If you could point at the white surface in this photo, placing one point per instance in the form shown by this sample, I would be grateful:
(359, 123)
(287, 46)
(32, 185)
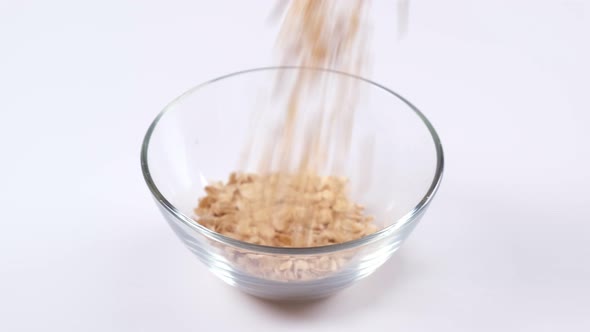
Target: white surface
(504, 245)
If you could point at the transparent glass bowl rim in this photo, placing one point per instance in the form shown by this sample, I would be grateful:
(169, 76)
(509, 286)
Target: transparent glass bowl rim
(396, 227)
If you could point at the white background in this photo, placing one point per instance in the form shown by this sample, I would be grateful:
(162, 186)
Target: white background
(504, 246)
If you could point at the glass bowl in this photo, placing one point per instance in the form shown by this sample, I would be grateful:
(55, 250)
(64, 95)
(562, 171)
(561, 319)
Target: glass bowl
(395, 164)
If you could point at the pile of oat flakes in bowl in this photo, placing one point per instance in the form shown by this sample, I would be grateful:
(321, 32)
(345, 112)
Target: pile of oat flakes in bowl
(284, 211)
(302, 210)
